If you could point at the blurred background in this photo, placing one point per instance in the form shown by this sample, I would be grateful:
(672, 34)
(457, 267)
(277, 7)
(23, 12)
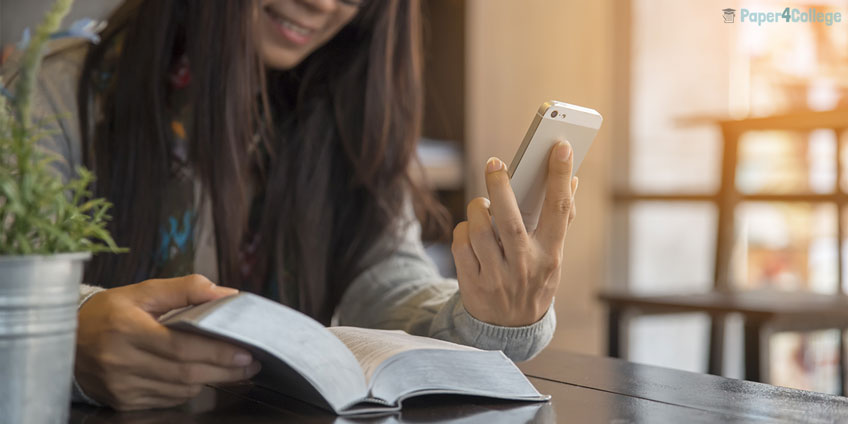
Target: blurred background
(720, 165)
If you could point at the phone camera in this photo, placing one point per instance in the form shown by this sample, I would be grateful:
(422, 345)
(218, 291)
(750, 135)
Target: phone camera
(554, 114)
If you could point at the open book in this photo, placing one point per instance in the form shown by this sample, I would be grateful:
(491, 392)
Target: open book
(350, 370)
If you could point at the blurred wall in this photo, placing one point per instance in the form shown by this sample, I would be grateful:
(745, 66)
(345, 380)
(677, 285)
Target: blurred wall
(15, 15)
(519, 54)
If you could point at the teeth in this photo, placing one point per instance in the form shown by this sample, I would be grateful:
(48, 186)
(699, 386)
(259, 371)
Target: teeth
(290, 25)
(286, 23)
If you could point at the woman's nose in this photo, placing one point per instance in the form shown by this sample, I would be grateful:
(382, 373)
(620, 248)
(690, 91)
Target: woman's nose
(321, 6)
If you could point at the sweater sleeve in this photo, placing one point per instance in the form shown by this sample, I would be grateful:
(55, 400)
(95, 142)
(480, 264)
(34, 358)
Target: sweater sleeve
(77, 395)
(404, 291)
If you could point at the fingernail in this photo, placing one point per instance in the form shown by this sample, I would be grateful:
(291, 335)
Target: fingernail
(242, 359)
(494, 164)
(576, 184)
(563, 151)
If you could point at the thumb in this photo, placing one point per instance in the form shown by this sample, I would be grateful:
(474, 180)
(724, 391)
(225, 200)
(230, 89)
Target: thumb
(160, 296)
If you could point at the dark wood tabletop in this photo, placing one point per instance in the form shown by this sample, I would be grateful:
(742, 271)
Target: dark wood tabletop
(584, 389)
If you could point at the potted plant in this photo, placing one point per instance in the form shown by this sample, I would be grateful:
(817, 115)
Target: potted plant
(48, 229)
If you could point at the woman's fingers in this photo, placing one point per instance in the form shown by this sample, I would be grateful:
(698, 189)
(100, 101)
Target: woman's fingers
(167, 390)
(129, 391)
(573, 213)
(185, 347)
(191, 373)
(505, 210)
(463, 253)
(128, 360)
(137, 379)
(160, 296)
(553, 220)
(480, 232)
(518, 290)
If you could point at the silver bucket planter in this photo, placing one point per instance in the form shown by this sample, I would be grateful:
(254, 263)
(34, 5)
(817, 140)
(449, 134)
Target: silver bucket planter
(38, 321)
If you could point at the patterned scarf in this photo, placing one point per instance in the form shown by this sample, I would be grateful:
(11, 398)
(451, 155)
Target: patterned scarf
(176, 246)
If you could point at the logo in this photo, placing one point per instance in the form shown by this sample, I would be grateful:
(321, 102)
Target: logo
(788, 15)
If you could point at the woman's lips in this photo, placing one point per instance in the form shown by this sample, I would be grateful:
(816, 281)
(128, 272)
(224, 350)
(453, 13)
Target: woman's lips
(290, 30)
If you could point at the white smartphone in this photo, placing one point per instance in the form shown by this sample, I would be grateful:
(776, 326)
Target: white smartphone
(528, 171)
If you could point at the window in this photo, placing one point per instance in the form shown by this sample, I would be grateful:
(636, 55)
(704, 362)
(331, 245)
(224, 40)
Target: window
(688, 70)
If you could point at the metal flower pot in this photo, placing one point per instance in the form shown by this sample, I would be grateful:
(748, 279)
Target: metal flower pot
(38, 322)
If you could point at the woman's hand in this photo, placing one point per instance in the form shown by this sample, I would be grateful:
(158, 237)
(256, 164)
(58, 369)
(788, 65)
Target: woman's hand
(127, 360)
(512, 281)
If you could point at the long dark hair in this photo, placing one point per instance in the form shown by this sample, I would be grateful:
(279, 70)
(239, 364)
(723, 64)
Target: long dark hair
(340, 129)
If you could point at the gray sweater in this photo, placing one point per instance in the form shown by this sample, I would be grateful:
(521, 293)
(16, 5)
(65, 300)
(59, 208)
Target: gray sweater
(402, 291)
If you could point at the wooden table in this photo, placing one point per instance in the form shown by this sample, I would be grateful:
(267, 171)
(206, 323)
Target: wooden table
(763, 313)
(585, 389)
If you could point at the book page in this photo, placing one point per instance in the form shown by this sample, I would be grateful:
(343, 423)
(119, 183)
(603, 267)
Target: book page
(432, 371)
(372, 347)
(398, 365)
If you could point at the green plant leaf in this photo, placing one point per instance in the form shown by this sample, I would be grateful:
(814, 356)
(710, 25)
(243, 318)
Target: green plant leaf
(39, 212)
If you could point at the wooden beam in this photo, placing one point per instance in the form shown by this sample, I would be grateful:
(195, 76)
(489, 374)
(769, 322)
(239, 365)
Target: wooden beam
(727, 200)
(840, 198)
(803, 120)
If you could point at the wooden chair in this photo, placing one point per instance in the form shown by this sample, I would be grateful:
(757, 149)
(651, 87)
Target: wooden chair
(763, 312)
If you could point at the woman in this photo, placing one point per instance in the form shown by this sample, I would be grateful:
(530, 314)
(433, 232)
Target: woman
(267, 145)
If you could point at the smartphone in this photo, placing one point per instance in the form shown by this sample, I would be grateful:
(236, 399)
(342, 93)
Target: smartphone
(528, 171)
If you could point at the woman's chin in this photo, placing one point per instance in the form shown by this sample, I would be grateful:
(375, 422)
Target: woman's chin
(280, 58)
